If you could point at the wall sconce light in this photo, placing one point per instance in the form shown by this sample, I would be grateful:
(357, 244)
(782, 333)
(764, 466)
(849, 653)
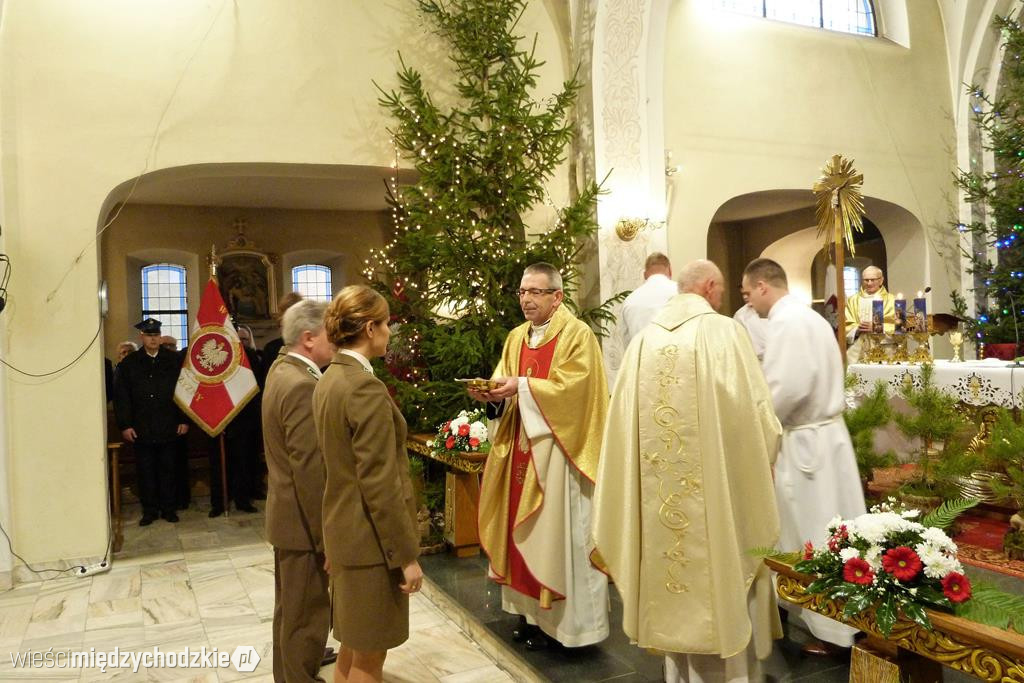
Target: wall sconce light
(670, 169)
(628, 228)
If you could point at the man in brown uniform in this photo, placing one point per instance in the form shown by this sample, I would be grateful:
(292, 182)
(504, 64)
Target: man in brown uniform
(302, 608)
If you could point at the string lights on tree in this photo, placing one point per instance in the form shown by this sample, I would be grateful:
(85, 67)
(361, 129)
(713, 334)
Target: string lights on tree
(998, 268)
(461, 241)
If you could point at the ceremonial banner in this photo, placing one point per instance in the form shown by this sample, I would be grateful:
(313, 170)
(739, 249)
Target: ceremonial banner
(831, 298)
(216, 380)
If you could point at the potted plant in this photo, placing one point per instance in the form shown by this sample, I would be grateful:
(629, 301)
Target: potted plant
(872, 413)
(943, 434)
(1005, 452)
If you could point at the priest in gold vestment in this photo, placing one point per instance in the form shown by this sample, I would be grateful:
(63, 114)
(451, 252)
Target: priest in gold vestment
(535, 498)
(684, 489)
(858, 310)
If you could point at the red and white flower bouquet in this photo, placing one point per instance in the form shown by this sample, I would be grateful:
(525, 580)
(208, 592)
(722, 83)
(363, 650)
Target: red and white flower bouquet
(887, 560)
(466, 434)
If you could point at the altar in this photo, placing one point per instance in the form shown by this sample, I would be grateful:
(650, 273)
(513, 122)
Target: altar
(978, 383)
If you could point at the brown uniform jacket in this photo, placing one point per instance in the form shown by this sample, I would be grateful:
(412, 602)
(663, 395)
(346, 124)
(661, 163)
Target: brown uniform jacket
(295, 466)
(369, 507)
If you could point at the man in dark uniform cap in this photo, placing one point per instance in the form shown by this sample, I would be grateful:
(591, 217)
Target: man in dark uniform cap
(148, 418)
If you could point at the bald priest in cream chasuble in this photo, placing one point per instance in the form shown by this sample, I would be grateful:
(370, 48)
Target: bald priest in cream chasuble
(684, 491)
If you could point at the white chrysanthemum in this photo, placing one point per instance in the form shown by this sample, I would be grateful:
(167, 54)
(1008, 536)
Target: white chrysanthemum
(873, 556)
(910, 514)
(936, 563)
(457, 422)
(847, 554)
(835, 523)
(938, 537)
(876, 527)
(478, 430)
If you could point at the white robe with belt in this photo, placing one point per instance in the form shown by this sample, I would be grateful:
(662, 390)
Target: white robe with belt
(816, 474)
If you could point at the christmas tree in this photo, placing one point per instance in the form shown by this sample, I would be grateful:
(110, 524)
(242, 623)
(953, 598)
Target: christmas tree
(999, 281)
(461, 242)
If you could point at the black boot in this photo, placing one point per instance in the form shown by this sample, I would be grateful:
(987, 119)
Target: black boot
(539, 641)
(523, 630)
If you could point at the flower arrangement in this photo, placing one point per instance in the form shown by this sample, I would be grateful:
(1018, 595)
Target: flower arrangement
(467, 433)
(886, 559)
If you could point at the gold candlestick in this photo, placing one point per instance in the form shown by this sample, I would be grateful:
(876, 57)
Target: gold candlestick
(875, 352)
(900, 355)
(923, 352)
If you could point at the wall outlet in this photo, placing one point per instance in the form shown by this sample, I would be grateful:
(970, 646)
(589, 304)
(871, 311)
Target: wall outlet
(97, 568)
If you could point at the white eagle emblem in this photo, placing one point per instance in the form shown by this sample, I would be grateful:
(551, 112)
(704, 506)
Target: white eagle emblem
(213, 355)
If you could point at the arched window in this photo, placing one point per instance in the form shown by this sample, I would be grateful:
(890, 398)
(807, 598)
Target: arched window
(851, 280)
(164, 298)
(847, 16)
(312, 281)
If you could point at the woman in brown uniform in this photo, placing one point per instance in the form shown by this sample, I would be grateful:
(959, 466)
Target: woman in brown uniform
(369, 511)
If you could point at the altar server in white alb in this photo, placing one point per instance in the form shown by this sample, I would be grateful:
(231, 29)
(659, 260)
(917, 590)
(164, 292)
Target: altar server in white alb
(816, 472)
(645, 301)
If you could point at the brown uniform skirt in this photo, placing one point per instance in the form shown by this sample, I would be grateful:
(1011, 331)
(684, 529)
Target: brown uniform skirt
(368, 609)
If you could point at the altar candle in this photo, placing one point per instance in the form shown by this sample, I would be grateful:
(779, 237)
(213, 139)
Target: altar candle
(920, 313)
(900, 311)
(877, 315)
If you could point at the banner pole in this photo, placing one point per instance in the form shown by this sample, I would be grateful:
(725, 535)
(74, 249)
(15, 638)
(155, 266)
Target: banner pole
(224, 476)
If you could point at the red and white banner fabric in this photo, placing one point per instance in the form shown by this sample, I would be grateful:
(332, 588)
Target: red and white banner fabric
(216, 380)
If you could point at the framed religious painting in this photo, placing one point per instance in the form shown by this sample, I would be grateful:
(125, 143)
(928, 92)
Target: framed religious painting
(245, 276)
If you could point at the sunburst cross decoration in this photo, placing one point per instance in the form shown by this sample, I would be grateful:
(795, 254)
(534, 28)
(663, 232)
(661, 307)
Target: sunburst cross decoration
(840, 211)
(840, 208)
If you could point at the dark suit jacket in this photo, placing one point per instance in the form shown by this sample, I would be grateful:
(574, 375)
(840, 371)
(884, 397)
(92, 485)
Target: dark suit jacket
(369, 507)
(144, 395)
(295, 467)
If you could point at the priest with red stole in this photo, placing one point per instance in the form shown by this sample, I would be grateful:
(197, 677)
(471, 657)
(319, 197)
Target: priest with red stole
(535, 498)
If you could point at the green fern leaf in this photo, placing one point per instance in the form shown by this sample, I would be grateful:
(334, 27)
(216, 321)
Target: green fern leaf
(944, 516)
(990, 606)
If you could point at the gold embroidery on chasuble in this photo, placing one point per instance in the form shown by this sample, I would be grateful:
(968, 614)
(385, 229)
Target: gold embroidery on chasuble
(679, 474)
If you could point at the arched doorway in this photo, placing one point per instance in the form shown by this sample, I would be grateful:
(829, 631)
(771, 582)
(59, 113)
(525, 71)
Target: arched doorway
(781, 224)
(292, 215)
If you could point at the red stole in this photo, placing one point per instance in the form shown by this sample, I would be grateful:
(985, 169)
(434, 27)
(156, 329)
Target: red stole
(532, 363)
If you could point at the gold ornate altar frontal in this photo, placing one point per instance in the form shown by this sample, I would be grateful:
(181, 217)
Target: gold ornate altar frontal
(988, 653)
(461, 494)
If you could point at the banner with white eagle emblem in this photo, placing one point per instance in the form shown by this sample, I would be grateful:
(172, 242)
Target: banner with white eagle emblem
(216, 380)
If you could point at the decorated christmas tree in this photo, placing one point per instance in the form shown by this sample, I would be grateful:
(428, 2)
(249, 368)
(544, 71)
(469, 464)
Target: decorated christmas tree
(998, 277)
(484, 159)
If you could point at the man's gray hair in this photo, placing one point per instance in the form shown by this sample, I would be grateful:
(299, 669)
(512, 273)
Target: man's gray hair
(554, 277)
(696, 273)
(126, 342)
(301, 316)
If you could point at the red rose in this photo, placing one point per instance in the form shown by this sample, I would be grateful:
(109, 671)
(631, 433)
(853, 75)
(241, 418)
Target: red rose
(902, 562)
(808, 550)
(956, 587)
(474, 442)
(463, 429)
(857, 570)
(444, 427)
(449, 442)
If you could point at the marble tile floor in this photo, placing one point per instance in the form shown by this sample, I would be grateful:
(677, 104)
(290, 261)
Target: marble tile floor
(209, 582)
(201, 582)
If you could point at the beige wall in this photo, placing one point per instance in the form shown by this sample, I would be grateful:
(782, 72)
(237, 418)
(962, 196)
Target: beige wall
(755, 105)
(93, 94)
(184, 234)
